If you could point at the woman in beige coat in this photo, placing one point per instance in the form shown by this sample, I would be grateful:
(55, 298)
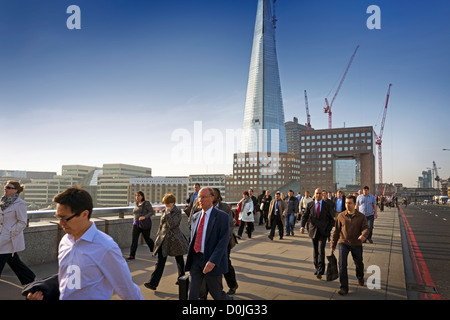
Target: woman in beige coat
(170, 241)
(13, 220)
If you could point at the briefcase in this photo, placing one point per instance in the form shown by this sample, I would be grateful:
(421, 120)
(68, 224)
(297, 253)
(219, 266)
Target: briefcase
(183, 287)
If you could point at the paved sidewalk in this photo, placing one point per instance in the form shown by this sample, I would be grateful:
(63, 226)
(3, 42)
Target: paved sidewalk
(274, 270)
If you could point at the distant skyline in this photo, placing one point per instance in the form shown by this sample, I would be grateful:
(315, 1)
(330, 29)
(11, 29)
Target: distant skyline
(161, 84)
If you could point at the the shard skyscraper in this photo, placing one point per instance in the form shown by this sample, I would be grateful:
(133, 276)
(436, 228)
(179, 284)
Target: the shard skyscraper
(263, 126)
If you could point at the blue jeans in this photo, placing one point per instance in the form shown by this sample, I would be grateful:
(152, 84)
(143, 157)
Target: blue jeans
(290, 221)
(370, 221)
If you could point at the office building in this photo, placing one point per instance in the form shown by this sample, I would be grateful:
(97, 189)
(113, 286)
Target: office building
(208, 181)
(293, 129)
(113, 185)
(154, 188)
(341, 158)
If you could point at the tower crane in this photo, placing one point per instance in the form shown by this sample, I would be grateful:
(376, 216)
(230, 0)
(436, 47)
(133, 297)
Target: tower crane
(436, 175)
(378, 143)
(327, 109)
(308, 116)
(274, 17)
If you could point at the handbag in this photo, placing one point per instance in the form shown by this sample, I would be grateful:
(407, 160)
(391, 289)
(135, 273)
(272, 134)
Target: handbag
(145, 223)
(332, 268)
(233, 241)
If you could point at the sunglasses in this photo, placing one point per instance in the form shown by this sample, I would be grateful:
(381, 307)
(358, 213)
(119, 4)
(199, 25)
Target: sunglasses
(10, 188)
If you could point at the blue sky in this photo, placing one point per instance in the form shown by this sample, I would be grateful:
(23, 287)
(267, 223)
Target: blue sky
(138, 72)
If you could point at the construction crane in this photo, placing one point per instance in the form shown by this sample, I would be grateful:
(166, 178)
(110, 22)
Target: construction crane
(308, 117)
(327, 109)
(274, 17)
(378, 143)
(436, 175)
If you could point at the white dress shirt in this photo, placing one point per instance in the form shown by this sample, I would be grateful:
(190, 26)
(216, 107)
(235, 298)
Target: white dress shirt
(92, 267)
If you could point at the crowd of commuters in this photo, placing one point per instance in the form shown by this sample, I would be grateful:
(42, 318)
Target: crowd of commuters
(212, 236)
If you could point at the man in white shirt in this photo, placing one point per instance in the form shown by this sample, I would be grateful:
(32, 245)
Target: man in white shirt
(91, 265)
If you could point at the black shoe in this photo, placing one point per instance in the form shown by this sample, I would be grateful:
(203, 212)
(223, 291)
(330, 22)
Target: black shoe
(361, 282)
(232, 290)
(343, 292)
(149, 286)
(270, 237)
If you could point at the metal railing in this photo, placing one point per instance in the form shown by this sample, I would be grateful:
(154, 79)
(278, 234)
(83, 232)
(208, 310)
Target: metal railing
(102, 212)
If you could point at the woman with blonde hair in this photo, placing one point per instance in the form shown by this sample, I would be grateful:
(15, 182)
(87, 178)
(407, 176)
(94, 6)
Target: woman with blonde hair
(170, 241)
(13, 220)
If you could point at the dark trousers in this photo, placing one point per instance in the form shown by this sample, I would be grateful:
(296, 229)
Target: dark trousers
(22, 272)
(136, 231)
(213, 282)
(230, 278)
(276, 222)
(319, 243)
(250, 228)
(159, 268)
(263, 216)
(357, 254)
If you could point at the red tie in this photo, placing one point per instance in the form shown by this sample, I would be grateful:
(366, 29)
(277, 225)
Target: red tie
(318, 210)
(198, 238)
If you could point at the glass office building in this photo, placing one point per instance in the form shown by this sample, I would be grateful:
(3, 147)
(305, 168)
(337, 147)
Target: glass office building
(263, 126)
(340, 158)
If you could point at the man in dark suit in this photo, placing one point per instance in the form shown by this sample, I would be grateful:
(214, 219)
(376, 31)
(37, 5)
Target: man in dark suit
(207, 256)
(339, 202)
(191, 207)
(320, 215)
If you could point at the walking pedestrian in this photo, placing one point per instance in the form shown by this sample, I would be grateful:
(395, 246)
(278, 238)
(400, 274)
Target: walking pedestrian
(208, 259)
(170, 241)
(230, 276)
(321, 221)
(260, 207)
(13, 220)
(291, 213)
(339, 202)
(246, 216)
(304, 203)
(91, 266)
(191, 201)
(142, 210)
(350, 231)
(367, 204)
(266, 204)
(276, 214)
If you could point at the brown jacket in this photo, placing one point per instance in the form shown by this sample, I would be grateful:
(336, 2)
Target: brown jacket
(281, 209)
(347, 230)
